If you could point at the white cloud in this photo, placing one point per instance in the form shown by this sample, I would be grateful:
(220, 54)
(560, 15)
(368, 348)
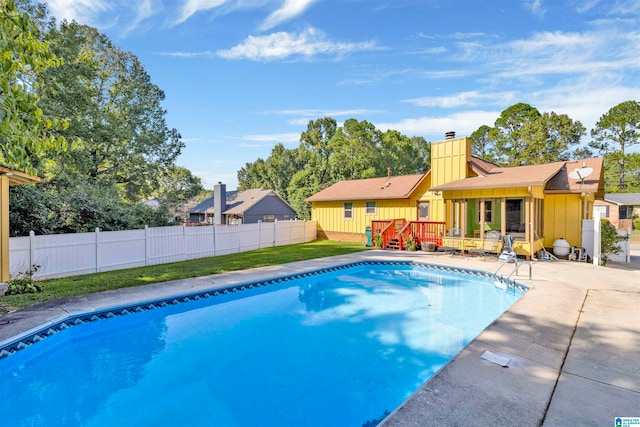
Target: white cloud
(289, 10)
(585, 101)
(281, 45)
(276, 137)
(104, 14)
(324, 113)
(464, 99)
(191, 7)
(624, 8)
(144, 10)
(205, 54)
(535, 6)
(462, 122)
(83, 11)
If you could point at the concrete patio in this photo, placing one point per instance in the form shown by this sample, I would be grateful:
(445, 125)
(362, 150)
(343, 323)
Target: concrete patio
(573, 343)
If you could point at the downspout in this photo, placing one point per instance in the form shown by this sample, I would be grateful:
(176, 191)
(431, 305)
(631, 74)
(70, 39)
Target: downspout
(583, 213)
(532, 217)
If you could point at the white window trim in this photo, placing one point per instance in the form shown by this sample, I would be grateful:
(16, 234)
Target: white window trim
(428, 210)
(366, 208)
(478, 207)
(344, 211)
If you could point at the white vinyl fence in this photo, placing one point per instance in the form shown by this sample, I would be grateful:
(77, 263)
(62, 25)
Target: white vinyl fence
(591, 238)
(83, 253)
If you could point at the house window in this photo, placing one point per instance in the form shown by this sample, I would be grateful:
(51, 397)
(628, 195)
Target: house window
(370, 208)
(604, 211)
(488, 211)
(286, 217)
(423, 211)
(268, 218)
(626, 212)
(348, 210)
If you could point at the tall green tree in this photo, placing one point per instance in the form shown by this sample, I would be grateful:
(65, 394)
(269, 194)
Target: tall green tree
(618, 129)
(481, 143)
(507, 133)
(328, 153)
(631, 173)
(550, 138)
(117, 123)
(523, 136)
(403, 155)
(176, 185)
(25, 130)
(355, 149)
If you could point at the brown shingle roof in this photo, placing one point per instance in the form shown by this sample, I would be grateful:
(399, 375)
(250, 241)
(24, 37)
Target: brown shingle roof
(562, 181)
(506, 177)
(553, 175)
(394, 187)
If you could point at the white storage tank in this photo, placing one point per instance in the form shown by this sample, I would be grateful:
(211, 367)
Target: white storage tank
(561, 247)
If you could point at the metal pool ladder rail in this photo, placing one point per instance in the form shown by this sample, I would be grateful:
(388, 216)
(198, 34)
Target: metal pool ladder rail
(517, 263)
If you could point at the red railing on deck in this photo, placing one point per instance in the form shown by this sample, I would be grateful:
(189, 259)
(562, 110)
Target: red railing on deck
(423, 231)
(400, 229)
(386, 229)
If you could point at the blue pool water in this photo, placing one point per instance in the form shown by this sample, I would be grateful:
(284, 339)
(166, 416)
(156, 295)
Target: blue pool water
(341, 348)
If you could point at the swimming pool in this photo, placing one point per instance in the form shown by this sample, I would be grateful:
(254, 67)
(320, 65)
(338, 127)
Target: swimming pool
(339, 346)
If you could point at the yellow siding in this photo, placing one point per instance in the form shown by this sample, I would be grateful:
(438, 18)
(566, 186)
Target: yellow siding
(562, 218)
(449, 160)
(330, 215)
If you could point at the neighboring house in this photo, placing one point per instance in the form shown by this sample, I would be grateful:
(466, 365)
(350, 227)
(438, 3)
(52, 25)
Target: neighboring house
(242, 207)
(536, 204)
(619, 208)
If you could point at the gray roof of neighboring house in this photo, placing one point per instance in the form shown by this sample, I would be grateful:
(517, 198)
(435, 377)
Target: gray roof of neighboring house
(623, 199)
(246, 199)
(238, 202)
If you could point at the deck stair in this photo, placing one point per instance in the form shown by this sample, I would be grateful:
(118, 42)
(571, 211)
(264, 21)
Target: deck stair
(395, 233)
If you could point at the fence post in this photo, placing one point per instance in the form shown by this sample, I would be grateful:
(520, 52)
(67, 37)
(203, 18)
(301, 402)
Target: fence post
(215, 246)
(184, 239)
(32, 249)
(259, 234)
(275, 232)
(146, 244)
(628, 248)
(97, 250)
(597, 238)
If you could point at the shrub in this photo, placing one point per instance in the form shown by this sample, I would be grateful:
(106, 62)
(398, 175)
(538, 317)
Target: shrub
(377, 240)
(411, 243)
(24, 283)
(636, 224)
(610, 241)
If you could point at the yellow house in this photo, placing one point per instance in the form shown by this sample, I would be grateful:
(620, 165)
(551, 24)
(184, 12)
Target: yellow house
(8, 177)
(535, 204)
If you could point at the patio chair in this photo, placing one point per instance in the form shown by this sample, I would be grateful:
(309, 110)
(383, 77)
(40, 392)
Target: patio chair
(454, 241)
(507, 254)
(489, 246)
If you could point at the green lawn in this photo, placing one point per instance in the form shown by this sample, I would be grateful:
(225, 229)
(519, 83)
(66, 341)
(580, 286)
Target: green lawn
(79, 285)
(635, 236)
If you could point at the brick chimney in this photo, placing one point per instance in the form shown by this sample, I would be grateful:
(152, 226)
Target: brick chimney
(219, 202)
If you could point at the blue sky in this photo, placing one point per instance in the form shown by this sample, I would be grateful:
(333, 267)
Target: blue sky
(243, 75)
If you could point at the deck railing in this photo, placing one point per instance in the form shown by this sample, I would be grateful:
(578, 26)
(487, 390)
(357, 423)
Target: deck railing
(423, 231)
(386, 230)
(400, 230)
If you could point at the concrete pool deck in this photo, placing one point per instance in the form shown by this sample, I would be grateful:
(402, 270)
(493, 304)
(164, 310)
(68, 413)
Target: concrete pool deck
(573, 343)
